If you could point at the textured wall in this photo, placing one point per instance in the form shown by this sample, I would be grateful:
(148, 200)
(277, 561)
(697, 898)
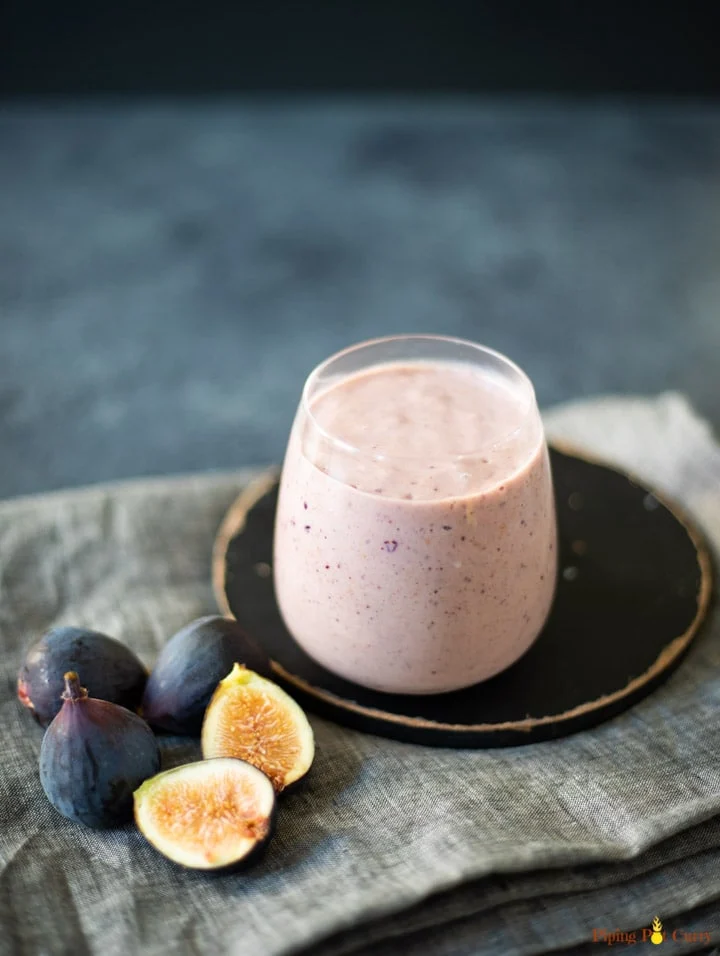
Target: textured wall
(169, 275)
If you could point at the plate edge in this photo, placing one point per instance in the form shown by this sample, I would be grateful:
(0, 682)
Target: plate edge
(234, 521)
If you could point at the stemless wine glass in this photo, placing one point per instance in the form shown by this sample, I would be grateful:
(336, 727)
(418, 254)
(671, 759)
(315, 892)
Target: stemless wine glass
(415, 538)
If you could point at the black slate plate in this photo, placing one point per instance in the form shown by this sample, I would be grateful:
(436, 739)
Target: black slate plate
(634, 587)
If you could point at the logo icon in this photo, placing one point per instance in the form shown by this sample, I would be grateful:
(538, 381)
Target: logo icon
(654, 934)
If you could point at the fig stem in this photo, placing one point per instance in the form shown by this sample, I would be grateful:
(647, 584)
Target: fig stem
(73, 691)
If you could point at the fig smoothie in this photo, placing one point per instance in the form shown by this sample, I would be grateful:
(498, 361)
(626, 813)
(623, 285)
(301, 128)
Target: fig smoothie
(415, 535)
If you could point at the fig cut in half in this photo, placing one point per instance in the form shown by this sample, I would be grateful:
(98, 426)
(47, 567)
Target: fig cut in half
(208, 815)
(251, 718)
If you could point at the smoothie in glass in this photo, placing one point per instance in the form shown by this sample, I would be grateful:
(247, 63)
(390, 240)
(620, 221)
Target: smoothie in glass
(415, 535)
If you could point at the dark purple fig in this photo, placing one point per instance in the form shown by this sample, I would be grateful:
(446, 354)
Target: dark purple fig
(110, 669)
(94, 755)
(209, 815)
(189, 668)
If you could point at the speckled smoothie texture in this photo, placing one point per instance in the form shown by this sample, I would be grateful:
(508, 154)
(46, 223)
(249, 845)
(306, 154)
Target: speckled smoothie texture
(415, 537)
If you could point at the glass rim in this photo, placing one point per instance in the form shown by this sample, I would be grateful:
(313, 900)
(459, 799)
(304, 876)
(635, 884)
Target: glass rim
(503, 360)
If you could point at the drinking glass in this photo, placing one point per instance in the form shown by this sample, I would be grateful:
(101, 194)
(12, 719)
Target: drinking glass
(415, 537)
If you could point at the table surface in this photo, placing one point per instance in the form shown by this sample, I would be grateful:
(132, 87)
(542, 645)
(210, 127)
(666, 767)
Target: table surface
(170, 273)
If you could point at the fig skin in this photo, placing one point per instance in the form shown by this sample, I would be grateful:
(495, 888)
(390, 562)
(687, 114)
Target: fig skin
(94, 755)
(189, 668)
(201, 767)
(109, 668)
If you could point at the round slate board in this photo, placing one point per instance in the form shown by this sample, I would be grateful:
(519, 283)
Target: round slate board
(634, 586)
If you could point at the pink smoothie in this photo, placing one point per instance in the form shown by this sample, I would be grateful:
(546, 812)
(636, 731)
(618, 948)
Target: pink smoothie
(415, 536)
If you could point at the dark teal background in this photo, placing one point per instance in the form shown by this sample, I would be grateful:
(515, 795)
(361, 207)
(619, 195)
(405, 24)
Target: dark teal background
(169, 274)
(198, 204)
(425, 46)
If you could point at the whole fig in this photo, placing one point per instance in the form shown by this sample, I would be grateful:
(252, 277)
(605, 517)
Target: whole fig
(94, 755)
(190, 667)
(110, 670)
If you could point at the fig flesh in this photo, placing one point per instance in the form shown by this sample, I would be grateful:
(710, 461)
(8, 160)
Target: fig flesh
(189, 669)
(208, 815)
(253, 719)
(94, 755)
(109, 668)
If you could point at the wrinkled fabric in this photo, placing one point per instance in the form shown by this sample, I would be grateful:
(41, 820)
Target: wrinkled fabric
(389, 846)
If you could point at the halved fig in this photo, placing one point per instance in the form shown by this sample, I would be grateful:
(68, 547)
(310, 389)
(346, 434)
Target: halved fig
(208, 815)
(251, 718)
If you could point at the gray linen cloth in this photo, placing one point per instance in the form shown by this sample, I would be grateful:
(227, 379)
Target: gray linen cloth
(390, 845)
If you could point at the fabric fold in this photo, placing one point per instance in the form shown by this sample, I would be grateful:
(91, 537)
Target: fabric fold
(472, 907)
